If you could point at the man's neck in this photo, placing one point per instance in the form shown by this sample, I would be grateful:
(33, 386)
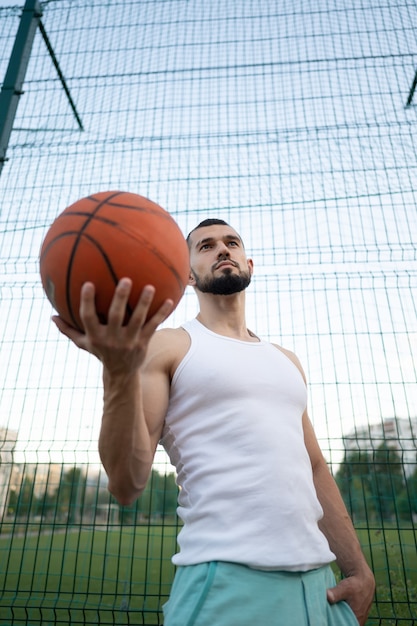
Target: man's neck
(225, 317)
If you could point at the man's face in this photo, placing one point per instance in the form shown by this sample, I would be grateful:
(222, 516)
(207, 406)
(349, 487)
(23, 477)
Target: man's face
(218, 261)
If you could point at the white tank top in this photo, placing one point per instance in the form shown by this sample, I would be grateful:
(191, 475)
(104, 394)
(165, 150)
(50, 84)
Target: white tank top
(233, 431)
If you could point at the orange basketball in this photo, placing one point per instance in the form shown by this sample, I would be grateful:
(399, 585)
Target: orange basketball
(105, 237)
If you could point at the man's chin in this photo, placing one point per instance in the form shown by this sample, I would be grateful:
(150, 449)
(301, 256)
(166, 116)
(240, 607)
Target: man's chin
(227, 284)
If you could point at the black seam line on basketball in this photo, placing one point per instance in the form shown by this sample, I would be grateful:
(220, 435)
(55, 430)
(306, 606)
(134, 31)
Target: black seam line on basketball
(101, 218)
(105, 200)
(138, 237)
(108, 264)
(140, 240)
(44, 254)
(156, 253)
(89, 216)
(144, 241)
(79, 212)
(165, 215)
(76, 233)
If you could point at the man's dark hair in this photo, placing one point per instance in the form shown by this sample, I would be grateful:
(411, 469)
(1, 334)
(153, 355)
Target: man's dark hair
(211, 221)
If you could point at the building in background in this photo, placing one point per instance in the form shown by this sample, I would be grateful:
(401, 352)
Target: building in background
(398, 433)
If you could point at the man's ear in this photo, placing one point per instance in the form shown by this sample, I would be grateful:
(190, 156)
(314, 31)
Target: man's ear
(250, 266)
(191, 279)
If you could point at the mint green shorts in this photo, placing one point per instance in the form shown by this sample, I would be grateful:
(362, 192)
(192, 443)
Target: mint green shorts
(229, 594)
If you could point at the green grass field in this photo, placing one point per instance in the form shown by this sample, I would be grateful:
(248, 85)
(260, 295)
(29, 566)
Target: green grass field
(392, 555)
(123, 575)
(86, 576)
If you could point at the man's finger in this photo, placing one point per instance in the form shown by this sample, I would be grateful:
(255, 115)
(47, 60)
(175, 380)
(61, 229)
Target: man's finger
(88, 312)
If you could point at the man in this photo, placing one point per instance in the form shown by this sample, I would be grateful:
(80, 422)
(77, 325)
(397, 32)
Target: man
(262, 515)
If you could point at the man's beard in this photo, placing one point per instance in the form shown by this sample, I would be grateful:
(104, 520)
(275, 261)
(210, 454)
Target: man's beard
(224, 285)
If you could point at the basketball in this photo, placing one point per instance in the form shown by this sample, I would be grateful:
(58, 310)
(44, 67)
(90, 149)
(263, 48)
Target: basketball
(105, 237)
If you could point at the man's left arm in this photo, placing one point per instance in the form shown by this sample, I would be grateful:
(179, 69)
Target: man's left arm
(358, 586)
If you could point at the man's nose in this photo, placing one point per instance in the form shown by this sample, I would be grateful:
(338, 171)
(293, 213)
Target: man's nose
(223, 250)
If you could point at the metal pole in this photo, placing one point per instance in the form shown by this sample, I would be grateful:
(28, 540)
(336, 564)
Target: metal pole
(16, 71)
(412, 90)
(60, 74)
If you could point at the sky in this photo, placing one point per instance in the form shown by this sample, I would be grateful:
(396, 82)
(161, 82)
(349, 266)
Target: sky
(291, 125)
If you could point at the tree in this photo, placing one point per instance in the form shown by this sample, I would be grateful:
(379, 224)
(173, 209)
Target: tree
(158, 500)
(373, 485)
(25, 500)
(354, 481)
(412, 491)
(406, 503)
(47, 505)
(387, 480)
(69, 495)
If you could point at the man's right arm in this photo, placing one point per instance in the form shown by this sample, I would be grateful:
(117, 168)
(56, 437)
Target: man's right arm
(129, 436)
(129, 433)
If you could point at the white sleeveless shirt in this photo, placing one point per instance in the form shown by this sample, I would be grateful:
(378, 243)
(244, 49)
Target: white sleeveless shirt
(234, 432)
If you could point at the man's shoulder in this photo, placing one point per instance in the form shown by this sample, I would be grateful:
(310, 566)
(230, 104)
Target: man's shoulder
(292, 356)
(168, 347)
(288, 353)
(169, 336)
